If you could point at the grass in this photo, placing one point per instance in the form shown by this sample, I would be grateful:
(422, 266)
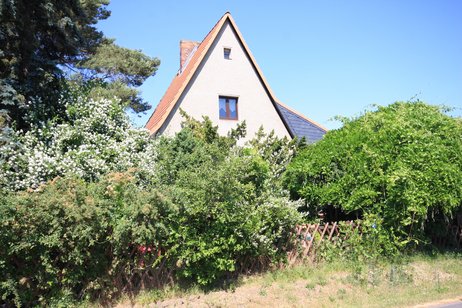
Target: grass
(415, 280)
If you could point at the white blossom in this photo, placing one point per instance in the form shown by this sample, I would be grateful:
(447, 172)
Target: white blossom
(98, 138)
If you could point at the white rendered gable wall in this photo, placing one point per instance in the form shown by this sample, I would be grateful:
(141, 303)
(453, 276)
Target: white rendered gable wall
(217, 76)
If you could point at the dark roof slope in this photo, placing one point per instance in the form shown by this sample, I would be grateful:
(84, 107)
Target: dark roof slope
(301, 126)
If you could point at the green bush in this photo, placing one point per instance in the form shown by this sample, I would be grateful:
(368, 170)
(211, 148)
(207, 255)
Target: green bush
(75, 236)
(95, 138)
(211, 207)
(230, 205)
(398, 167)
(366, 242)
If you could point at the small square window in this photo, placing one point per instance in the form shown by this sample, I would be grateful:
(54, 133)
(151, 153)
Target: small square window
(227, 53)
(228, 108)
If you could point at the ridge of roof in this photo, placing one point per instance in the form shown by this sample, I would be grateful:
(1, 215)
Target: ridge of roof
(186, 61)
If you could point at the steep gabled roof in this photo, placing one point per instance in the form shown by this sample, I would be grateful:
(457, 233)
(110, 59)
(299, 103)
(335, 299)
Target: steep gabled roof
(291, 119)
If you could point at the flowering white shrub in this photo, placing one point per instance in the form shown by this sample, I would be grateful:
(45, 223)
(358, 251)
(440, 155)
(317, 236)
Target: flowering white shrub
(96, 139)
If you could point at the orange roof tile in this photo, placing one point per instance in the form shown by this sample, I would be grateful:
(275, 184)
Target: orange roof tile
(181, 80)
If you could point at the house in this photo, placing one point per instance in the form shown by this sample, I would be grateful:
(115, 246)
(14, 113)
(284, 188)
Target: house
(220, 78)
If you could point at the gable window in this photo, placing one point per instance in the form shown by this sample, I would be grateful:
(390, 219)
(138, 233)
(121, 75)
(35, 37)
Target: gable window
(227, 53)
(228, 108)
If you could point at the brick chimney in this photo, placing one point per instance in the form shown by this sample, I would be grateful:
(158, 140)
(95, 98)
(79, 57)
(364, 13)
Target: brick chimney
(186, 48)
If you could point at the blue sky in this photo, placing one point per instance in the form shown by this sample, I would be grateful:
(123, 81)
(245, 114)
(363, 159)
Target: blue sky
(322, 58)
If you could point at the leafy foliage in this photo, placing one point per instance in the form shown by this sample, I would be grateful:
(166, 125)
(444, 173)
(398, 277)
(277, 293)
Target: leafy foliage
(41, 41)
(35, 37)
(228, 209)
(207, 206)
(117, 71)
(76, 239)
(398, 166)
(96, 139)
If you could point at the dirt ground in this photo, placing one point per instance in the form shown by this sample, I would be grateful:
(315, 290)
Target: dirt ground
(330, 290)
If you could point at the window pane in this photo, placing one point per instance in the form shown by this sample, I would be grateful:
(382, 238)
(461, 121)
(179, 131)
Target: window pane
(227, 53)
(232, 108)
(222, 107)
(227, 108)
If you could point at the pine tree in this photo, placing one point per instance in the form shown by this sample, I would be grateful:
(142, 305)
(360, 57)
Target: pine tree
(44, 42)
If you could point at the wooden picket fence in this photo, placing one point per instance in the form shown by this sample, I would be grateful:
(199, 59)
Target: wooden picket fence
(308, 238)
(150, 269)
